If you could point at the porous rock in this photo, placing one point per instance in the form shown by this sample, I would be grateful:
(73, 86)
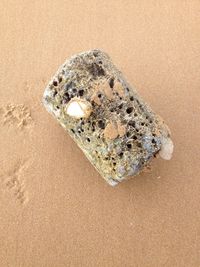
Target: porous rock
(119, 133)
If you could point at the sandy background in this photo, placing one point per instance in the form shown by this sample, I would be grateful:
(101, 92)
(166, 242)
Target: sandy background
(55, 210)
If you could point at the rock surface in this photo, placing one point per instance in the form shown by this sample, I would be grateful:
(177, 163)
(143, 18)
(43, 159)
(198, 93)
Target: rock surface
(114, 127)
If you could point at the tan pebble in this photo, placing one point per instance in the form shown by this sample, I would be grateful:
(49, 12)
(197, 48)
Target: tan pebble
(107, 90)
(96, 99)
(119, 88)
(121, 129)
(110, 131)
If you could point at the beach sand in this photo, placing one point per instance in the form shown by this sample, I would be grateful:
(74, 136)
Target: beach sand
(55, 209)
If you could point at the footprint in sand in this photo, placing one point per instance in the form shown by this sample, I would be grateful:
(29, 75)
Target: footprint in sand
(13, 182)
(16, 115)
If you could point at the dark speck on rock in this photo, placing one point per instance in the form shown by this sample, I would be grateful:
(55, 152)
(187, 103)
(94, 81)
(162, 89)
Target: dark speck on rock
(96, 70)
(81, 92)
(111, 82)
(55, 83)
(101, 124)
(129, 110)
(131, 123)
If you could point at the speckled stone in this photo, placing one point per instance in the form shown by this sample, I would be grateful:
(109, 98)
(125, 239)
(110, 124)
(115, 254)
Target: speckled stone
(122, 134)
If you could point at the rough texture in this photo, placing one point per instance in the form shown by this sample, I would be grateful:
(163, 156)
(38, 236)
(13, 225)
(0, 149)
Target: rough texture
(121, 134)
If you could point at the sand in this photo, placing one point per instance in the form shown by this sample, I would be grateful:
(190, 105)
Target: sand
(55, 209)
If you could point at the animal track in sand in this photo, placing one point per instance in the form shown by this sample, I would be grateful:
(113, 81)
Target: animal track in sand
(14, 182)
(18, 115)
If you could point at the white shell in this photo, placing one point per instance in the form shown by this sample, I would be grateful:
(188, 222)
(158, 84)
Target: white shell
(79, 108)
(167, 149)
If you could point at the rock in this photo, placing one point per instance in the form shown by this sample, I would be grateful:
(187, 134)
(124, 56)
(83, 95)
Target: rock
(117, 131)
